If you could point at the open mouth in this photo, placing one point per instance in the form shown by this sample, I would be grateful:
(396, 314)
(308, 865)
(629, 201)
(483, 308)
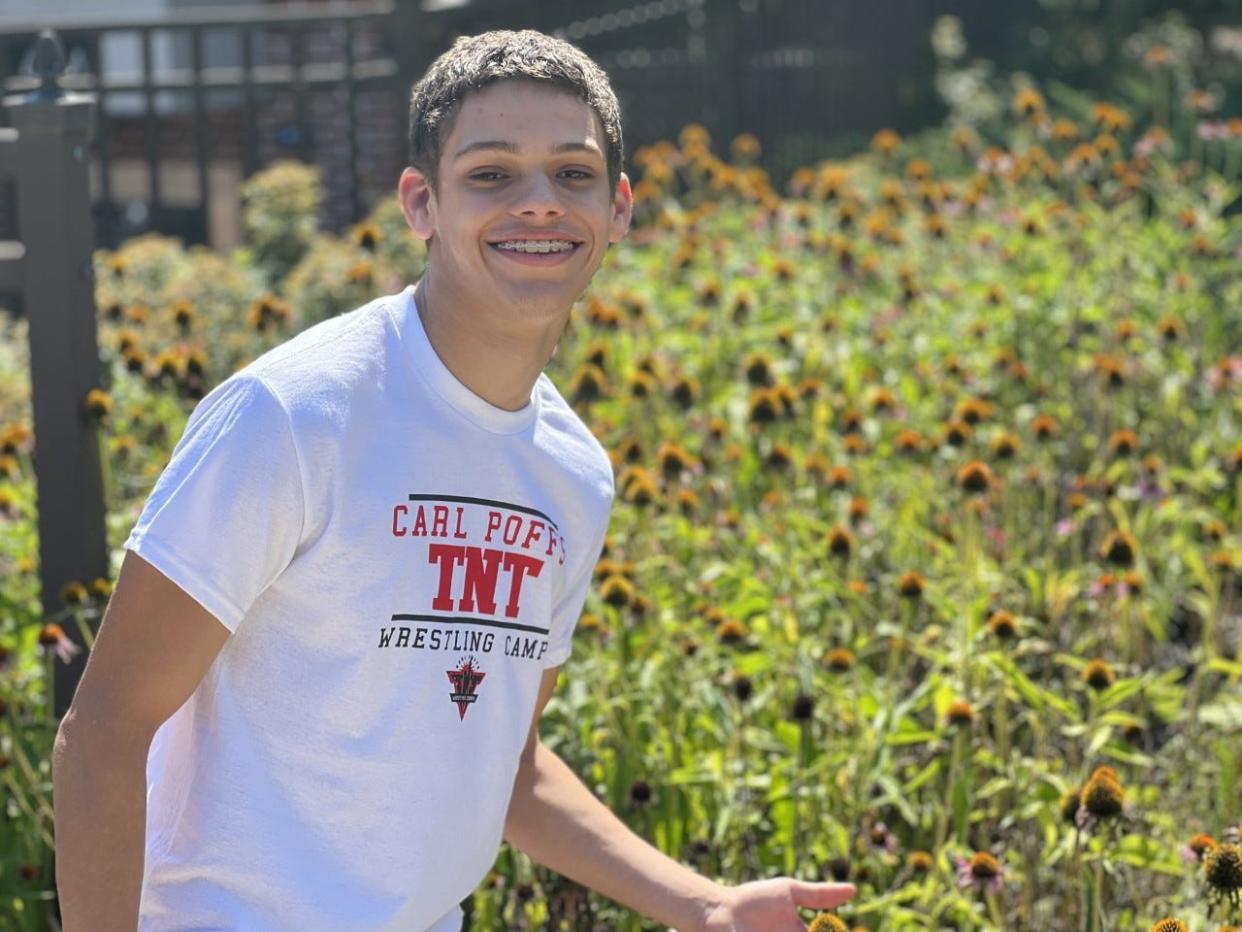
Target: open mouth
(536, 247)
(537, 252)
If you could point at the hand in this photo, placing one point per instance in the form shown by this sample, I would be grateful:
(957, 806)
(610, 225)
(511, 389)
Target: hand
(772, 905)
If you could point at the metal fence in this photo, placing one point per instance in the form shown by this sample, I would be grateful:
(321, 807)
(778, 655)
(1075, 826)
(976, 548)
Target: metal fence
(194, 101)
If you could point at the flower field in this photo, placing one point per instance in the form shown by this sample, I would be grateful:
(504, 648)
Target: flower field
(926, 561)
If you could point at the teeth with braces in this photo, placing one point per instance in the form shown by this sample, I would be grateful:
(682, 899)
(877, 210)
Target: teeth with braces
(536, 245)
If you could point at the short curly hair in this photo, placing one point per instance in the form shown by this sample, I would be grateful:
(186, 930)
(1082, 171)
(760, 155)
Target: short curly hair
(474, 62)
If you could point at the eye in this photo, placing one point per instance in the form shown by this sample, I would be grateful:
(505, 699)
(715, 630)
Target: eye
(487, 176)
(577, 174)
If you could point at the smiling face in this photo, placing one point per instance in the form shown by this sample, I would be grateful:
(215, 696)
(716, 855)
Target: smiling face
(522, 213)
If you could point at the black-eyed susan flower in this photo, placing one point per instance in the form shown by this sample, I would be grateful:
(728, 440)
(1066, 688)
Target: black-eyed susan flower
(920, 862)
(960, 713)
(590, 622)
(779, 457)
(885, 141)
(803, 707)
(910, 585)
(840, 541)
(637, 486)
(640, 792)
(975, 478)
(765, 407)
(856, 511)
(183, 314)
(99, 588)
(957, 433)
(1028, 102)
(674, 460)
(267, 312)
(1098, 674)
(617, 591)
(587, 384)
(73, 593)
(730, 631)
(98, 403)
(1003, 625)
(840, 660)
(1119, 548)
(908, 441)
(1005, 445)
(743, 687)
(684, 392)
(366, 236)
(1122, 443)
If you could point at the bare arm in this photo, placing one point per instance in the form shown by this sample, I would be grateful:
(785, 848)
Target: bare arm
(556, 820)
(153, 647)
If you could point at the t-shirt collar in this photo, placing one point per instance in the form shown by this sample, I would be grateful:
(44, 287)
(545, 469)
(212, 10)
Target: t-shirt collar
(432, 370)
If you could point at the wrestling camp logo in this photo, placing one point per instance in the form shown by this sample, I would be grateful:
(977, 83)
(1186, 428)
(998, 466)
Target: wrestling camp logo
(465, 679)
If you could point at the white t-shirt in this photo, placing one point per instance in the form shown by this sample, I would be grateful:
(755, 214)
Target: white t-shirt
(398, 561)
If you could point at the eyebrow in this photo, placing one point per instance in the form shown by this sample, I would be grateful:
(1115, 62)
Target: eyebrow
(512, 148)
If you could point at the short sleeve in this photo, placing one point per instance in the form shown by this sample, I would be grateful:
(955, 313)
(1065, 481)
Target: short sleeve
(226, 515)
(568, 610)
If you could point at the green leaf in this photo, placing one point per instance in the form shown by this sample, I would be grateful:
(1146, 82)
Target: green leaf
(1035, 696)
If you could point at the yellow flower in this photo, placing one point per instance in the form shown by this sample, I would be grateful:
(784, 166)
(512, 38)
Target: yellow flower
(960, 712)
(745, 146)
(98, 403)
(840, 660)
(885, 141)
(1098, 674)
(827, 922)
(1028, 102)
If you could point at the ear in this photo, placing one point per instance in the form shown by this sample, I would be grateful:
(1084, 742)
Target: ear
(418, 202)
(622, 210)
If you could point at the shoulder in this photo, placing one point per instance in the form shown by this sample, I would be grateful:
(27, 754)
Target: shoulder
(575, 448)
(322, 372)
(332, 348)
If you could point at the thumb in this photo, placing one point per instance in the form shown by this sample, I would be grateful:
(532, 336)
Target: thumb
(820, 895)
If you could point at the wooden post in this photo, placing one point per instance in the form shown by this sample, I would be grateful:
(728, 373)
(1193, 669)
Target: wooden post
(50, 156)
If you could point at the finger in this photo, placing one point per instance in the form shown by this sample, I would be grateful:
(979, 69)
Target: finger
(820, 895)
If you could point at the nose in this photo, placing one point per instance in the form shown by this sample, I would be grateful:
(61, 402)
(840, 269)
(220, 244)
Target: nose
(537, 199)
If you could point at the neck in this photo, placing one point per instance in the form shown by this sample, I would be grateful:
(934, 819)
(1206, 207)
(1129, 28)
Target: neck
(500, 365)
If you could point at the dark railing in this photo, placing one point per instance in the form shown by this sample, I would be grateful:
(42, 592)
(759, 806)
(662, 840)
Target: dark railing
(224, 91)
(244, 112)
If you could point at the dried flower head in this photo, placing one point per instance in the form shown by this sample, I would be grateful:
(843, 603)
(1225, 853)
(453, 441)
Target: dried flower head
(1222, 871)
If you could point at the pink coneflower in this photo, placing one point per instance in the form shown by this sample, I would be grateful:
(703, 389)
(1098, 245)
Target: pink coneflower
(1065, 527)
(53, 636)
(1212, 130)
(982, 871)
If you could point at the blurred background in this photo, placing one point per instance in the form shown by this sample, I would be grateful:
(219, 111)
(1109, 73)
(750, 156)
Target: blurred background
(195, 96)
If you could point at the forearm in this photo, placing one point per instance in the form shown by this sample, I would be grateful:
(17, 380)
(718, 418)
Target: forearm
(558, 822)
(99, 796)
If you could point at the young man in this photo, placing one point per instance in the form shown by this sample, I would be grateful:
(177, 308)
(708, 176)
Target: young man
(313, 701)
